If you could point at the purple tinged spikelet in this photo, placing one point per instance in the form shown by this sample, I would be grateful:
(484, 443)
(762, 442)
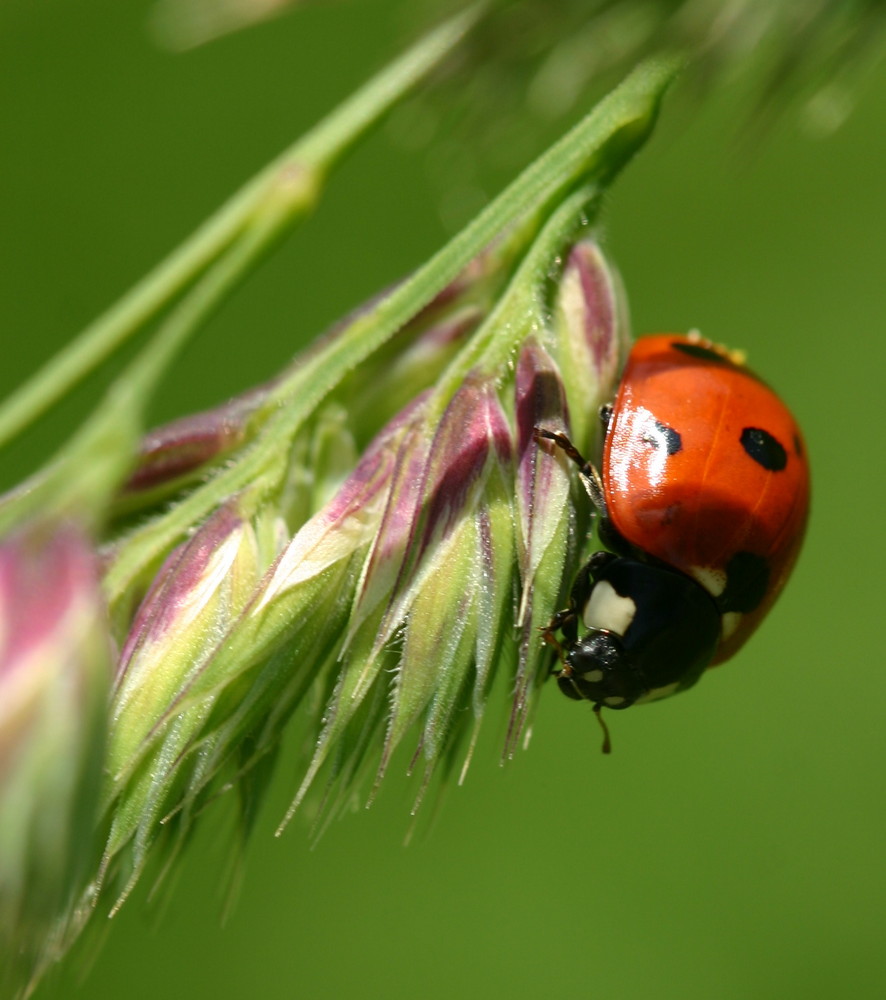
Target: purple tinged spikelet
(351, 521)
(543, 518)
(54, 678)
(196, 599)
(437, 597)
(472, 432)
(182, 447)
(542, 482)
(364, 529)
(590, 320)
(198, 592)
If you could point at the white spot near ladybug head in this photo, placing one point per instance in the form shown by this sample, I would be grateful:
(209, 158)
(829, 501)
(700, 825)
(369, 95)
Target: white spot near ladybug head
(614, 700)
(729, 623)
(712, 579)
(608, 610)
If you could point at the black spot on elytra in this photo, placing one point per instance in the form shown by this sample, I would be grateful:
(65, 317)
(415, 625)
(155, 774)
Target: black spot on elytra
(764, 449)
(664, 436)
(673, 441)
(747, 580)
(798, 446)
(714, 356)
(702, 353)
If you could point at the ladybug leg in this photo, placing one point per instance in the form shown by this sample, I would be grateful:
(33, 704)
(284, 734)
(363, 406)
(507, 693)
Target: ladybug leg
(563, 621)
(590, 477)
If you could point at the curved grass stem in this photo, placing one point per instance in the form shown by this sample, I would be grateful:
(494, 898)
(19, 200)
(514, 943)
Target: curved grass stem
(312, 156)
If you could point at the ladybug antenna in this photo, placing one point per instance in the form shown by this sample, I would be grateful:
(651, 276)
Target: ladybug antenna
(607, 742)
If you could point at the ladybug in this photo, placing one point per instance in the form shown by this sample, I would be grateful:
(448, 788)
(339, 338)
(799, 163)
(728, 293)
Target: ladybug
(702, 500)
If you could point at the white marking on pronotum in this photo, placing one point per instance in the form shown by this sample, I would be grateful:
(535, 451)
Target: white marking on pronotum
(608, 610)
(614, 700)
(712, 579)
(729, 623)
(593, 676)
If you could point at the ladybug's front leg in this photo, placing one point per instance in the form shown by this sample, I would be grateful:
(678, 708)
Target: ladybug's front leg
(590, 477)
(564, 621)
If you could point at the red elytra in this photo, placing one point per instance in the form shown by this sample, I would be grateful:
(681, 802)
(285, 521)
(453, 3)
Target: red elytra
(705, 468)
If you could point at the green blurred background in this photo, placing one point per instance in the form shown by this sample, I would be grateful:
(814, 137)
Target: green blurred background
(733, 845)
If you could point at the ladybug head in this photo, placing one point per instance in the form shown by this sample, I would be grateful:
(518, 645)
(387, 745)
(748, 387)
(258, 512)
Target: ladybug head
(598, 668)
